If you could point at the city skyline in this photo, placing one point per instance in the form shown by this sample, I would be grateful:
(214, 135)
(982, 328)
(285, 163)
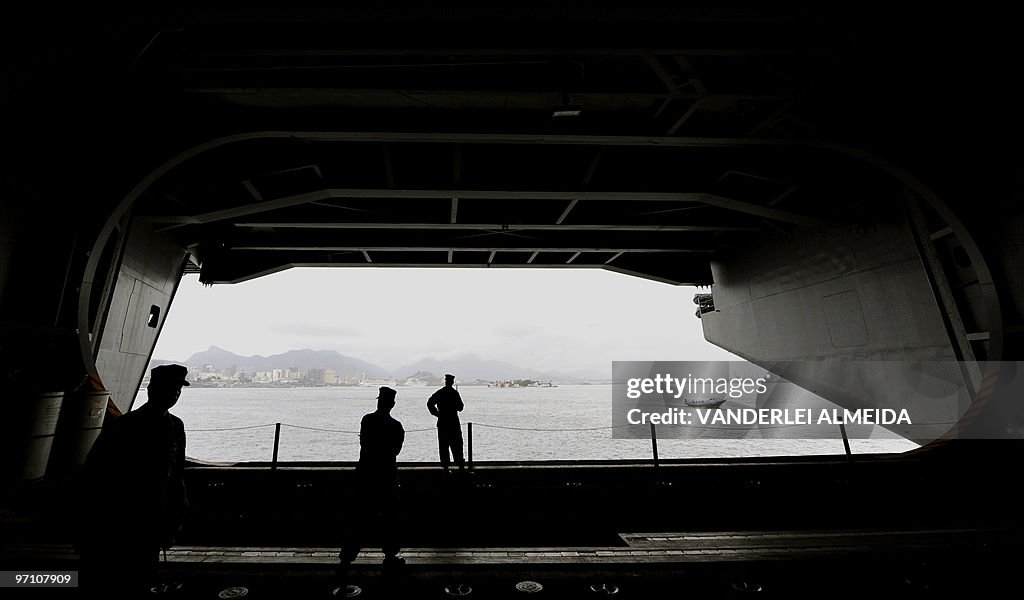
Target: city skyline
(330, 367)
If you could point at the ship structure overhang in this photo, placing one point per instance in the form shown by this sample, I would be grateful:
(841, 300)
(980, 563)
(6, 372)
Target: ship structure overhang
(812, 166)
(654, 207)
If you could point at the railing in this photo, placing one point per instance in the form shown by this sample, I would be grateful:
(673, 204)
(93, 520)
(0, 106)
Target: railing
(469, 435)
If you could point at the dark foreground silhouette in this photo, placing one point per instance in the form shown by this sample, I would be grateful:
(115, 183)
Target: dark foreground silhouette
(375, 499)
(134, 472)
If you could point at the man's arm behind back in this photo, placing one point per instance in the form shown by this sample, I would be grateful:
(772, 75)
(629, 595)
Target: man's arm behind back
(399, 437)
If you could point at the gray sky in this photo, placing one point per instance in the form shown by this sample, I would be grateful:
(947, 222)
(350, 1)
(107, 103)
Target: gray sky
(553, 320)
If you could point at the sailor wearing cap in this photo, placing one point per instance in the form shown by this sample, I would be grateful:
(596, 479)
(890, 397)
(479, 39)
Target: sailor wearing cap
(445, 404)
(137, 464)
(380, 440)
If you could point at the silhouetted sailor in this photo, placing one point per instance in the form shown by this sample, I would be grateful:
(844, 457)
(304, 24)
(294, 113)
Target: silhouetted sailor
(135, 475)
(380, 440)
(446, 404)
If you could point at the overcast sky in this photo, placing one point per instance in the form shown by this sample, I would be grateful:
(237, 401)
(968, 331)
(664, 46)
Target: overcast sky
(553, 320)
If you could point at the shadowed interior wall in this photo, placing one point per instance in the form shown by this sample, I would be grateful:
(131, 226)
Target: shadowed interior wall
(847, 314)
(148, 277)
(1010, 260)
(858, 293)
(6, 246)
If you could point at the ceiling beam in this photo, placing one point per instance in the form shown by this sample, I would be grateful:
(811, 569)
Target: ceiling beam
(789, 192)
(735, 173)
(685, 117)
(592, 169)
(568, 209)
(555, 139)
(239, 275)
(588, 51)
(511, 97)
(252, 190)
(659, 70)
(586, 182)
(690, 73)
(658, 278)
(698, 97)
(512, 139)
(449, 248)
(242, 210)
(497, 227)
(298, 199)
(771, 116)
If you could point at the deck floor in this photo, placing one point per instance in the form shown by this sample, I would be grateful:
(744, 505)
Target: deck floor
(651, 564)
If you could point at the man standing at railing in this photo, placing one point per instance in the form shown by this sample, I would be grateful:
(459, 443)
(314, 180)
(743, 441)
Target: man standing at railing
(446, 404)
(380, 440)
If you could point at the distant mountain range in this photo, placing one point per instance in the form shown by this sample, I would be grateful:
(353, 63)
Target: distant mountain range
(304, 360)
(467, 367)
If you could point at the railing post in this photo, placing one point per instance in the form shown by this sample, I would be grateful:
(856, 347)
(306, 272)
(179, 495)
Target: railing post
(469, 434)
(277, 442)
(654, 443)
(846, 441)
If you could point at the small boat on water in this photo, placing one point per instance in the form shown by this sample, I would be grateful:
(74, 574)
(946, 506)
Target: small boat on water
(705, 402)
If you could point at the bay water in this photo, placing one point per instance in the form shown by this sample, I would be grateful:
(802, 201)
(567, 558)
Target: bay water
(565, 422)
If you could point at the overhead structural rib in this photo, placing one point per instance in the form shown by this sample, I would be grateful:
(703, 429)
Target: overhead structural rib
(438, 194)
(450, 248)
(494, 226)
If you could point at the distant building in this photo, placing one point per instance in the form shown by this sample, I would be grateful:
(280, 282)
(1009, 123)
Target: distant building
(315, 376)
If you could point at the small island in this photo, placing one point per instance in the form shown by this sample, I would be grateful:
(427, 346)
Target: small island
(520, 383)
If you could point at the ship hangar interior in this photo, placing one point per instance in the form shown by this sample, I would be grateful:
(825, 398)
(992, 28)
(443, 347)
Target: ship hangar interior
(844, 181)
